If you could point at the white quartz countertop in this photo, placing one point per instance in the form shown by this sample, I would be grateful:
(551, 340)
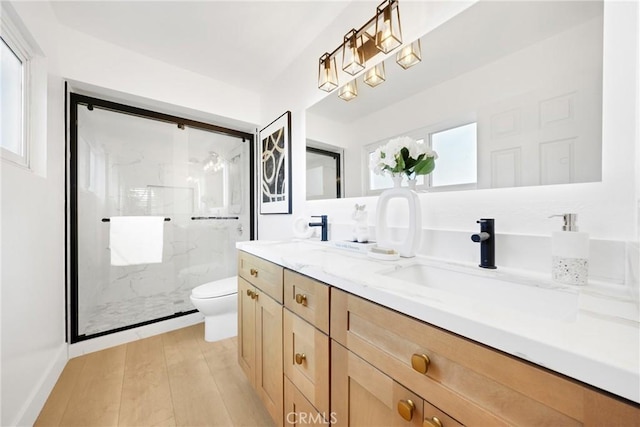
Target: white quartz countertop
(597, 342)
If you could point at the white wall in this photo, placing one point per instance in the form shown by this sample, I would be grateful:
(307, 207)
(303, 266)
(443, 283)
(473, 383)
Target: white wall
(33, 245)
(32, 316)
(608, 209)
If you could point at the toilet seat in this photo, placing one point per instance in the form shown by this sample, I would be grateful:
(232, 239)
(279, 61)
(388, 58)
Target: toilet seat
(216, 289)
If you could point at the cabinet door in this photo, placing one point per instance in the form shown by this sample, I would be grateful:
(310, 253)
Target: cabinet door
(306, 360)
(298, 411)
(269, 375)
(246, 329)
(361, 395)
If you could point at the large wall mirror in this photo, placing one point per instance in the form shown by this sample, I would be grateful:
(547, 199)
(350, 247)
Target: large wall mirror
(520, 81)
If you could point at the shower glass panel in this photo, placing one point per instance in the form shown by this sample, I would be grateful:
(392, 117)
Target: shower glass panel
(128, 165)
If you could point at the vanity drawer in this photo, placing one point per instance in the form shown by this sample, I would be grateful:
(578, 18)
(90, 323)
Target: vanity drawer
(306, 360)
(473, 383)
(308, 298)
(261, 273)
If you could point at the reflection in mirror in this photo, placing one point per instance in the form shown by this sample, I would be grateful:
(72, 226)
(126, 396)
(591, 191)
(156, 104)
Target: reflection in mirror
(527, 74)
(324, 165)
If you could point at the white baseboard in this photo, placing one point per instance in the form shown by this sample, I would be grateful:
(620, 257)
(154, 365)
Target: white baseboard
(112, 340)
(38, 397)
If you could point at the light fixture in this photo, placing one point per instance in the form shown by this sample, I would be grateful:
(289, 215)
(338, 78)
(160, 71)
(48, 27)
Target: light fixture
(327, 73)
(409, 55)
(352, 55)
(348, 91)
(380, 34)
(388, 31)
(376, 75)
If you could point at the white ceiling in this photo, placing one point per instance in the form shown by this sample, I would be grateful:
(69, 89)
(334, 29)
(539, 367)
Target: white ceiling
(243, 43)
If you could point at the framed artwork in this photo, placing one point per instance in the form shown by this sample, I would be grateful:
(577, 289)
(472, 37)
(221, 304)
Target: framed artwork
(275, 166)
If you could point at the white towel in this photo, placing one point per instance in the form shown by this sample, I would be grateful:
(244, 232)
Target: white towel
(136, 239)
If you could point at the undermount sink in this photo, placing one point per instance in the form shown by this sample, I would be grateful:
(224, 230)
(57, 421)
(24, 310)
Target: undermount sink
(491, 290)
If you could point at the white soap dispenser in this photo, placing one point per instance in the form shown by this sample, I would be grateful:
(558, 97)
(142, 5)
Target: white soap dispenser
(569, 253)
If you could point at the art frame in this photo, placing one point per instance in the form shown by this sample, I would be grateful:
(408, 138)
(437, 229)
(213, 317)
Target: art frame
(274, 166)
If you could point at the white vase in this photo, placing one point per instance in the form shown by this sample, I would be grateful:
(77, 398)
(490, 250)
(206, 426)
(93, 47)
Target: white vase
(397, 180)
(411, 243)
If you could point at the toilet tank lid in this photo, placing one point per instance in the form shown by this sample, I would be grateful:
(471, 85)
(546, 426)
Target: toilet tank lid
(217, 288)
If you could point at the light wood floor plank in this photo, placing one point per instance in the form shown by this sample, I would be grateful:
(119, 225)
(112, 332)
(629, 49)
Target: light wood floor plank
(242, 402)
(95, 399)
(195, 395)
(146, 394)
(51, 414)
(171, 379)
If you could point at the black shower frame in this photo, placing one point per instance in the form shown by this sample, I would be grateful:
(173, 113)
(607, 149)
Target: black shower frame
(78, 99)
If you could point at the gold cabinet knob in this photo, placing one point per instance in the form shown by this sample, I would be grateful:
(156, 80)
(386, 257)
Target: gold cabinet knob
(249, 292)
(301, 299)
(420, 362)
(406, 408)
(432, 422)
(300, 357)
(254, 295)
(253, 272)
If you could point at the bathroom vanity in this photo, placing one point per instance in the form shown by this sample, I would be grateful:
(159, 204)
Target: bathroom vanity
(333, 337)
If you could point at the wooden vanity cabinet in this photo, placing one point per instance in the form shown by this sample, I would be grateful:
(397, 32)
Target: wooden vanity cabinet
(379, 367)
(306, 342)
(472, 383)
(260, 329)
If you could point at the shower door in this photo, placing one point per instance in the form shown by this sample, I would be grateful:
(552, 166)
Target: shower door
(127, 162)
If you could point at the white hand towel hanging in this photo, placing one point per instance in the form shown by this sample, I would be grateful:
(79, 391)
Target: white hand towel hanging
(136, 239)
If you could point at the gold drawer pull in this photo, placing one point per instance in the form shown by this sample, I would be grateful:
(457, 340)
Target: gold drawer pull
(253, 272)
(252, 294)
(300, 358)
(301, 299)
(433, 422)
(420, 362)
(406, 408)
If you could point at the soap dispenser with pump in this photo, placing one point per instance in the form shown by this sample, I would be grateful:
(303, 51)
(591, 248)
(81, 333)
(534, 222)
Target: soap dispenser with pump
(569, 253)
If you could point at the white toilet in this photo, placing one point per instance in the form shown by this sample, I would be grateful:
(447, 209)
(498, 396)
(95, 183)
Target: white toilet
(217, 301)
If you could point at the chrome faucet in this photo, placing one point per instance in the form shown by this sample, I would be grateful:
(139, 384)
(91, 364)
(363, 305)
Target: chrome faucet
(323, 224)
(487, 241)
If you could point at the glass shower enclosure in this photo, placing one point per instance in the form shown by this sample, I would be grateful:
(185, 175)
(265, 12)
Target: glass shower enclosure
(130, 162)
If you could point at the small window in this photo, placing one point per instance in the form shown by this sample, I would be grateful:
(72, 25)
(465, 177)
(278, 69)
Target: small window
(14, 95)
(456, 166)
(457, 150)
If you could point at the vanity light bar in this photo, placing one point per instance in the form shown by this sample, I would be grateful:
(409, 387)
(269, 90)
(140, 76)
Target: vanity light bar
(381, 34)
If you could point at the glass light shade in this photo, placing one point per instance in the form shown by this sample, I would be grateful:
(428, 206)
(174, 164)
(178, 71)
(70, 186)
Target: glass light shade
(352, 56)
(327, 73)
(388, 31)
(409, 55)
(348, 91)
(376, 75)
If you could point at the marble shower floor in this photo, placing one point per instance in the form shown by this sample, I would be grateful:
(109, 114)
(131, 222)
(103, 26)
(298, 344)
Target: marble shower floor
(109, 316)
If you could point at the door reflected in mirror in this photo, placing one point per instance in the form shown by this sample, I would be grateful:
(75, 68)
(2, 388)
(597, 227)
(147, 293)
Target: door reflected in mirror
(324, 165)
(527, 74)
